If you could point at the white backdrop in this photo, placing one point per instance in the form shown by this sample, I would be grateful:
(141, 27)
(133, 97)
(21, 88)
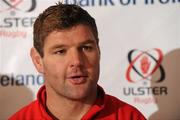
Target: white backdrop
(140, 53)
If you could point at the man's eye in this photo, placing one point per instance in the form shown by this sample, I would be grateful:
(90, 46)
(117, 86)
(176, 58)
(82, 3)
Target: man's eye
(87, 48)
(60, 52)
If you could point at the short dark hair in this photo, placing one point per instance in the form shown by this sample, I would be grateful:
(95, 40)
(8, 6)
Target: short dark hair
(59, 17)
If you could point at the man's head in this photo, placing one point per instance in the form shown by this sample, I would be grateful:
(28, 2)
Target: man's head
(60, 17)
(67, 52)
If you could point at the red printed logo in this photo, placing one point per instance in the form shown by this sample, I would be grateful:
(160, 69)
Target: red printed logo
(143, 64)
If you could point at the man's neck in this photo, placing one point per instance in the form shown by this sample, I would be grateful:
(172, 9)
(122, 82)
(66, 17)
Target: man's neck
(63, 108)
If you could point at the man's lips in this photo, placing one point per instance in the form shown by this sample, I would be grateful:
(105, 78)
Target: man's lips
(77, 79)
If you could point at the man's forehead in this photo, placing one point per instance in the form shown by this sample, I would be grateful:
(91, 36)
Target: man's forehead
(79, 32)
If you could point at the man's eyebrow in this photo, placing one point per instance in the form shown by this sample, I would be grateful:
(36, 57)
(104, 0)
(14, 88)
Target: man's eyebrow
(89, 41)
(58, 46)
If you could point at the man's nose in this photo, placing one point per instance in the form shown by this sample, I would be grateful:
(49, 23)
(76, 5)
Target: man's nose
(76, 58)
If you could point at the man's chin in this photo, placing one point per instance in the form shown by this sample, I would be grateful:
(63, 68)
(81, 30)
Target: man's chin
(81, 95)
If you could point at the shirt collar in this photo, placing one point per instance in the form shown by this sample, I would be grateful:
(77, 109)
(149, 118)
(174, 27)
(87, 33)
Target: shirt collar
(98, 105)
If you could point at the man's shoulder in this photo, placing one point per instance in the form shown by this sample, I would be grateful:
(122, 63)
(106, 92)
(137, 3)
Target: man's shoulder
(27, 111)
(116, 101)
(118, 104)
(122, 108)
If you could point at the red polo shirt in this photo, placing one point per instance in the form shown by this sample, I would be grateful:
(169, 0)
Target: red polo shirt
(106, 107)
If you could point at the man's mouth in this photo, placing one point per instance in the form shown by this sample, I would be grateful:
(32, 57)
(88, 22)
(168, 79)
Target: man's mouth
(77, 79)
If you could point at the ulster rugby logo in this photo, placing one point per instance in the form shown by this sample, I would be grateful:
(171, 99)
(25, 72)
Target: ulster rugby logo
(14, 5)
(143, 64)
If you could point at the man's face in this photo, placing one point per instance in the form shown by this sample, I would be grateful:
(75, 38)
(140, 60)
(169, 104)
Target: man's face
(71, 62)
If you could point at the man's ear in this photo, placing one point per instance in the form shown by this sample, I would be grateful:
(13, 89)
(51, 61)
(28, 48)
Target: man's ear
(37, 60)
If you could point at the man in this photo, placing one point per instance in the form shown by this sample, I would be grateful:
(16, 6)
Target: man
(66, 52)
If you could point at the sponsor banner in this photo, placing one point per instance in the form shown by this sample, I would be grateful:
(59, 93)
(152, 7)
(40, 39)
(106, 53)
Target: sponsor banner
(139, 41)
